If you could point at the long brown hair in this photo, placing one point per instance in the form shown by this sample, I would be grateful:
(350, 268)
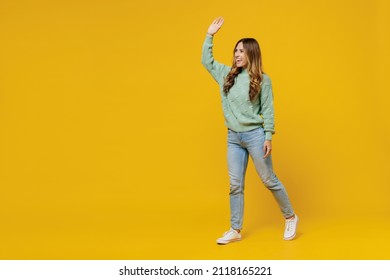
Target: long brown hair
(254, 68)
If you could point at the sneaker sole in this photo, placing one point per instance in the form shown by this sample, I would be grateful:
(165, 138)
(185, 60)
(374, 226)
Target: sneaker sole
(227, 242)
(292, 237)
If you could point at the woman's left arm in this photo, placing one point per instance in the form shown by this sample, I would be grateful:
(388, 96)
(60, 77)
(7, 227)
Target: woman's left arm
(267, 112)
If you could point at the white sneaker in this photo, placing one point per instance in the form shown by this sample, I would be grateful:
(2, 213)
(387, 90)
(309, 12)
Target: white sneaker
(290, 229)
(229, 236)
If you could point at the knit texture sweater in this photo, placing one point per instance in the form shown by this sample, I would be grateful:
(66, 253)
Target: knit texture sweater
(241, 114)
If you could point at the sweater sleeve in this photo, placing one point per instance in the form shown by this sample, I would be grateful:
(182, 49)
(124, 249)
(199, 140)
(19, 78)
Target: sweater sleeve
(267, 109)
(216, 69)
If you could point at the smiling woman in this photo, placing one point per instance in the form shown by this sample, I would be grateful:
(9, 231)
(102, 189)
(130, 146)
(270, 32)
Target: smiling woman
(239, 55)
(247, 99)
(247, 55)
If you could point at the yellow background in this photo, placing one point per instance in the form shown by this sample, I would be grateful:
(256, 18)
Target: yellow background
(112, 142)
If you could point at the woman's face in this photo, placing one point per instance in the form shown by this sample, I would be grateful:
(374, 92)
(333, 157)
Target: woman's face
(239, 56)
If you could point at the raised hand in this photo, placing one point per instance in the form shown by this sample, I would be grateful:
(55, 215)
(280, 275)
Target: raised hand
(215, 26)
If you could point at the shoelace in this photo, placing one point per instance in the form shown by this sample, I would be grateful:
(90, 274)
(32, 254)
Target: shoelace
(229, 232)
(289, 223)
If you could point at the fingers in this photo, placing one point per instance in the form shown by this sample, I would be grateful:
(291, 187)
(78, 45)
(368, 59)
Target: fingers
(267, 153)
(218, 21)
(215, 26)
(267, 150)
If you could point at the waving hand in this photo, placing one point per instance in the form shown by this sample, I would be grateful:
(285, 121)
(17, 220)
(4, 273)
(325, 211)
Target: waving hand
(215, 26)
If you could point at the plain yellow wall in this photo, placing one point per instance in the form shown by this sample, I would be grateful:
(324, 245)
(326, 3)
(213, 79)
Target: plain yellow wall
(108, 119)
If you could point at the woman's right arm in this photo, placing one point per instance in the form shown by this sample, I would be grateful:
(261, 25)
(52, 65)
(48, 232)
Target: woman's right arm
(215, 68)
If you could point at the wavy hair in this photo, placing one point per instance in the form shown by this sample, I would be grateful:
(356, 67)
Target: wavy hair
(254, 67)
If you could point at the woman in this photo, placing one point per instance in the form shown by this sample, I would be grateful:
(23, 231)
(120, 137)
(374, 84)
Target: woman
(247, 101)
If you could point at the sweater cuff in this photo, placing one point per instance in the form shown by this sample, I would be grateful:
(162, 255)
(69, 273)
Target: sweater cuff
(268, 135)
(209, 39)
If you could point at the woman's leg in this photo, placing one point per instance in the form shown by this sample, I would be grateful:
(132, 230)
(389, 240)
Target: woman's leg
(254, 141)
(237, 164)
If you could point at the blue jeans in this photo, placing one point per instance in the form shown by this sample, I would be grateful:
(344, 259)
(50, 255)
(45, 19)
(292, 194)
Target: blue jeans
(240, 145)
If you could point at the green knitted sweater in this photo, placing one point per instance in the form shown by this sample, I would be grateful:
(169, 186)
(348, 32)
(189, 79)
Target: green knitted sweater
(240, 113)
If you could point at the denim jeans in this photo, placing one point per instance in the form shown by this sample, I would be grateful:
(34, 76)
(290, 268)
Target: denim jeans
(240, 145)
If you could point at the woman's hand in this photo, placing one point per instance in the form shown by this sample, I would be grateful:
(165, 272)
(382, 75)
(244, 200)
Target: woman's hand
(215, 26)
(267, 148)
